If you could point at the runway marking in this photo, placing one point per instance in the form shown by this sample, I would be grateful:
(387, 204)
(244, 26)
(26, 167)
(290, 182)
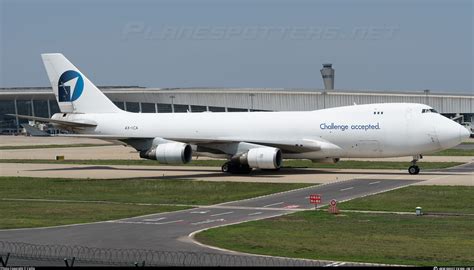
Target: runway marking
(207, 221)
(146, 223)
(254, 214)
(200, 212)
(336, 264)
(344, 189)
(410, 183)
(221, 214)
(154, 219)
(274, 204)
(374, 182)
(169, 222)
(256, 208)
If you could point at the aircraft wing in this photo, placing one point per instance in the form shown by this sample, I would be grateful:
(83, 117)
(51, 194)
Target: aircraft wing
(288, 146)
(54, 121)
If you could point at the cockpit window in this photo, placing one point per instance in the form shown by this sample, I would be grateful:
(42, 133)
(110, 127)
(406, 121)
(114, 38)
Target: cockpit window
(428, 110)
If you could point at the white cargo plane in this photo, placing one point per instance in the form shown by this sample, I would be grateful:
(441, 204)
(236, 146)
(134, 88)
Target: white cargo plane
(250, 139)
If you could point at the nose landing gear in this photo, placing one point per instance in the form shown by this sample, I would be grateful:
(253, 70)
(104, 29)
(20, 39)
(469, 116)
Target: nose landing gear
(414, 169)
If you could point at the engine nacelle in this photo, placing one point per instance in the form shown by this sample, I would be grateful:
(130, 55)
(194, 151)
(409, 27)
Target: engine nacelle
(326, 160)
(169, 153)
(263, 158)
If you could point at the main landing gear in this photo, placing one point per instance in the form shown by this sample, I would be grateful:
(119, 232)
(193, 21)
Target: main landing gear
(235, 168)
(414, 169)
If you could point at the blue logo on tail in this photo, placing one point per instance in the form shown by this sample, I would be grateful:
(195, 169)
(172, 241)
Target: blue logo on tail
(70, 86)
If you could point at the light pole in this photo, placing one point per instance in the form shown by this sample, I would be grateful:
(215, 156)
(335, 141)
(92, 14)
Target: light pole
(172, 103)
(324, 98)
(427, 92)
(251, 101)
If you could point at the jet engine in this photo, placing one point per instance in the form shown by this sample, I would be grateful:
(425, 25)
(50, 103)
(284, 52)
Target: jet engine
(169, 153)
(262, 158)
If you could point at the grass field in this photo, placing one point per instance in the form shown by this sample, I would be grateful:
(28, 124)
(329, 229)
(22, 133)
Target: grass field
(26, 214)
(345, 164)
(125, 193)
(40, 146)
(377, 238)
(454, 152)
(137, 190)
(366, 237)
(433, 199)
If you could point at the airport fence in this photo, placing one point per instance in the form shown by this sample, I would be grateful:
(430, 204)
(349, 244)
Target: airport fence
(11, 252)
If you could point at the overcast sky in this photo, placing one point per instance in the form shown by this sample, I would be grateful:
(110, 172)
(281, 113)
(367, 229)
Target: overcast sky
(380, 45)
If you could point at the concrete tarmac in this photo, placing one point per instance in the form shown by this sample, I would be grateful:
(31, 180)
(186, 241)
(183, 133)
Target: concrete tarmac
(462, 175)
(173, 231)
(127, 153)
(7, 140)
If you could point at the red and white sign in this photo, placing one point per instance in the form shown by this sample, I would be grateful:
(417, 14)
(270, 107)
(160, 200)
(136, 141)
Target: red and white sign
(333, 207)
(315, 198)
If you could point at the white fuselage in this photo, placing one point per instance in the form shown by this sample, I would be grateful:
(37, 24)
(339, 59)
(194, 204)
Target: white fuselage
(373, 130)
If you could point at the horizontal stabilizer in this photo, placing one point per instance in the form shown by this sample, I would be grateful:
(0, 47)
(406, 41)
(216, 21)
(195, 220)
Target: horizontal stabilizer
(33, 131)
(103, 136)
(54, 121)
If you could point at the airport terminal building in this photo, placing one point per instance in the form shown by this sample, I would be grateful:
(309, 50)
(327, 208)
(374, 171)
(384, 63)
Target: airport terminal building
(40, 101)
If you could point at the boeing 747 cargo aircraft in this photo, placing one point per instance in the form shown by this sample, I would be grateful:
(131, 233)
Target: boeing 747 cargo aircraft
(250, 140)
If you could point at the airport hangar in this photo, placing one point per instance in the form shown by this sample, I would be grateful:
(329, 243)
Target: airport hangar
(40, 101)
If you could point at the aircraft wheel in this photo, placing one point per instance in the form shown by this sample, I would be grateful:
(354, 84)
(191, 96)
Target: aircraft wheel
(235, 168)
(414, 170)
(226, 167)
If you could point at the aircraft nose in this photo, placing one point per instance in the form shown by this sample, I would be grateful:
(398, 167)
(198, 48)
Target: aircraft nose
(464, 133)
(451, 134)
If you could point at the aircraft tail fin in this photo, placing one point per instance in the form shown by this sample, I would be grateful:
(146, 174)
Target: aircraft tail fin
(73, 91)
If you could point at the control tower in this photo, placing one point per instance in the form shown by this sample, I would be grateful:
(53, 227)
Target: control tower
(328, 76)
